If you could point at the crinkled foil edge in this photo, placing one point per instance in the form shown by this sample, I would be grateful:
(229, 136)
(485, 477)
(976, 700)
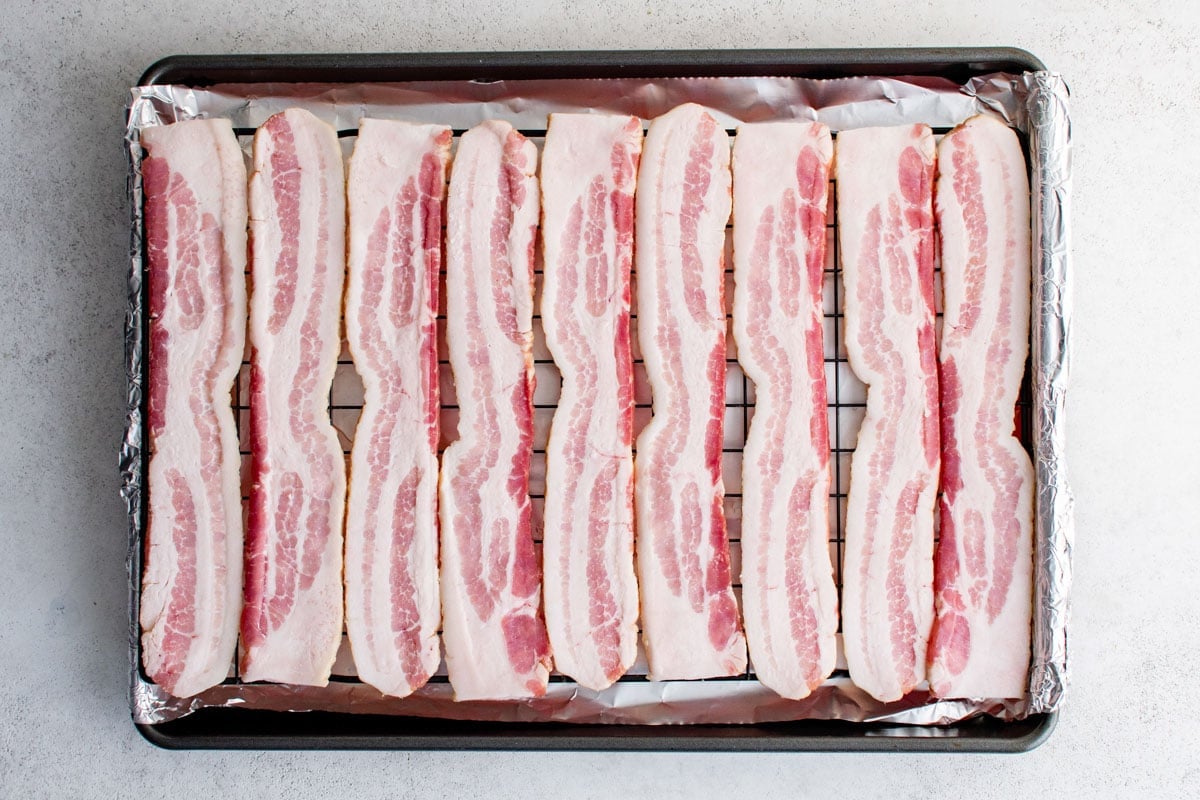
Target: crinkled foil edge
(147, 701)
(1049, 149)
(1034, 103)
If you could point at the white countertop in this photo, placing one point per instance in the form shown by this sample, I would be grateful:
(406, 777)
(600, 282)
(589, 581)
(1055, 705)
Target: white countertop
(1128, 727)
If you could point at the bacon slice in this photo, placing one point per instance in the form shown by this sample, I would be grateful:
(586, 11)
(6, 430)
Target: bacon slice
(885, 217)
(396, 183)
(984, 567)
(292, 621)
(689, 612)
(780, 192)
(495, 637)
(195, 189)
(589, 168)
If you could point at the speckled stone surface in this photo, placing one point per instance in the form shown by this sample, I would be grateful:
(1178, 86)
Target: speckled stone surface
(1129, 727)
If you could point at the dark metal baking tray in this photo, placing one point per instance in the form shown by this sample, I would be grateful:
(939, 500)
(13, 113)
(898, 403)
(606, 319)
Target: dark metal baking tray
(235, 728)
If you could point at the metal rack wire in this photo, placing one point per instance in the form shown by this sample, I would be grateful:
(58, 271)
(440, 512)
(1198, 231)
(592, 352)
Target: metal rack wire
(846, 404)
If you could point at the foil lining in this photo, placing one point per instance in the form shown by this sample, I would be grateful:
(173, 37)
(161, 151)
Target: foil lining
(1049, 148)
(1034, 103)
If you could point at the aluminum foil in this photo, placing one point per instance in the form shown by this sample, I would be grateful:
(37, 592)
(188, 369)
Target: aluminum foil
(1049, 129)
(1033, 103)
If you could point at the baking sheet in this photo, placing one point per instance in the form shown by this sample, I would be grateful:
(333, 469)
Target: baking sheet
(1034, 103)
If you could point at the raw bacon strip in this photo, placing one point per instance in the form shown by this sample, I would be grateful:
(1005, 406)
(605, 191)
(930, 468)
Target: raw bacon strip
(780, 190)
(195, 189)
(292, 621)
(689, 612)
(396, 183)
(589, 168)
(885, 217)
(984, 567)
(496, 645)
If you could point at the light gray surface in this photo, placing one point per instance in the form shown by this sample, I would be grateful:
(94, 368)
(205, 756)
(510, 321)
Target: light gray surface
(1128, 728)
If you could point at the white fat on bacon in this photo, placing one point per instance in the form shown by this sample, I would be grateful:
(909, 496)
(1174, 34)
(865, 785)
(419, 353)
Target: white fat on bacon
(396, 183)
(984, 567)
(690, 619)
(789, 599)
(589, 169)
(292, 620)
(492, 626)
(885, 220)
(194, 179)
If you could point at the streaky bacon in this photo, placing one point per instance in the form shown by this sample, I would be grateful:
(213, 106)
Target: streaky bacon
(492, 625)
(983, 573)
(194, 179)
(589, 168)
(292, 620)
(396, 183)
(690, 619)
(789, 599)
(885, 219)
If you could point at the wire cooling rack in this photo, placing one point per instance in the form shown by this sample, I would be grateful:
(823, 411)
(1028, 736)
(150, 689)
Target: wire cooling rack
(846, 403)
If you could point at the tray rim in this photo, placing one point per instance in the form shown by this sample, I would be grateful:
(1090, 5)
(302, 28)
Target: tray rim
(841, 736)
(981, 735)
(207, 69)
